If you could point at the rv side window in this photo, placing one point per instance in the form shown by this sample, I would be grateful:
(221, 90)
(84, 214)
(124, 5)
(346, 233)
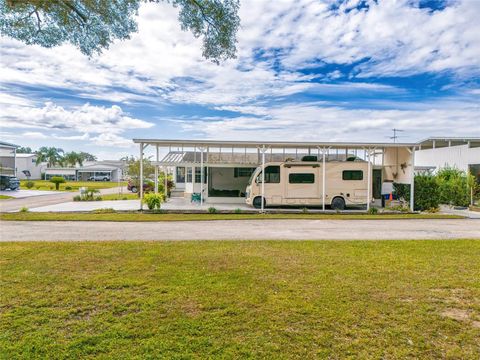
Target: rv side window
(272, 175)
(352, 175)
(301, 178)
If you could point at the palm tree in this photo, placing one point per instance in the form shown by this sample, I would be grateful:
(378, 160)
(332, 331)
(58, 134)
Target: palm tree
(72, 158)
(51, 155)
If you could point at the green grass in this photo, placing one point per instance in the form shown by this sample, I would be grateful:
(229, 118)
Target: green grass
(246, 299)
(75, 185)
(137, 216)
(5, 197)
(125, 196)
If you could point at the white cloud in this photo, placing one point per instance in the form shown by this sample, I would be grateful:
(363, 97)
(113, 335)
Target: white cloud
(319, 122)
(87, 122)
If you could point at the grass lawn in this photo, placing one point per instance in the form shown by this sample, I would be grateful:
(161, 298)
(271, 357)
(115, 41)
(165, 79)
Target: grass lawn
(5, 197)
(137, 216)
(75, 185)
(124, 196)
(245, 299)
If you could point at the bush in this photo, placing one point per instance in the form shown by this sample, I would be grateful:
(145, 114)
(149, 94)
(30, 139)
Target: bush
(29, 184)
(238, 211)
(427, 195)
(212, 210)
(98, 198)
(77, 198)
(453, 187)
(24, 209)
(57, 180)
(373, 211)
(153, 201)
(68, 188)
(37, 187)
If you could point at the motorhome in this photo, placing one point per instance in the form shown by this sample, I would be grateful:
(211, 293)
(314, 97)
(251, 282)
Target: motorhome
(300, 183)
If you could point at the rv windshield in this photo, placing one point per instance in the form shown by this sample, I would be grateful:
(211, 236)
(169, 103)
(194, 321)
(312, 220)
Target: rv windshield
(253, 176)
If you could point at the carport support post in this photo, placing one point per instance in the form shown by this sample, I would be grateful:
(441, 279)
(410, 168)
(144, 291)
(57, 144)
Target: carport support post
(140, 183)
(263, 150)
(412, 182)
(156, 175)
(165, 189)
(201, 175)
(369, 179)
(324, 179)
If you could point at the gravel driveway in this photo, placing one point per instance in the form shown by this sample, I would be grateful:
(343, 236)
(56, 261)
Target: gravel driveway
(240, 230)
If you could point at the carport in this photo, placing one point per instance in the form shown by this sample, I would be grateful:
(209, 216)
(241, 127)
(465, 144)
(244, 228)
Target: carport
(394, 161)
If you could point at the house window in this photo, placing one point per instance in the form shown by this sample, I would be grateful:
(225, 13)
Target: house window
(180, 174)
(301, 178)
(243, 172)
(189, 175)
(272, 175)
(352, 175)
(198, 175)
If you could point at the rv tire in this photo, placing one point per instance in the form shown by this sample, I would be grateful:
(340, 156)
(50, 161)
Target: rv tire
(257, 202)
(338, 203)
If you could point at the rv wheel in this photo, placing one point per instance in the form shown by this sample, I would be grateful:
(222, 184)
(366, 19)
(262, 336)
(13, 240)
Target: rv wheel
(257, 202)
(338, 204)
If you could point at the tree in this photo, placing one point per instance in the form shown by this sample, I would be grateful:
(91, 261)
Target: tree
(87, 156)
(57, 180)
(51, 155)
(24, 150)
(73, 158)
(92, 25)
(134, 169)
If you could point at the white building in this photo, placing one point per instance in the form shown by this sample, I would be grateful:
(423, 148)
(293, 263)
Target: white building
(110, 169)
(461, 153)
(27, 167)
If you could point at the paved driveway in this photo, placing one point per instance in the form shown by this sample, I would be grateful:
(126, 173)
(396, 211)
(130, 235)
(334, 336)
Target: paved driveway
(241, 230)
(18, 194)
(51, 198)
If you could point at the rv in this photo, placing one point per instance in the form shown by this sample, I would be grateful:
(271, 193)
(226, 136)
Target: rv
(300, 183)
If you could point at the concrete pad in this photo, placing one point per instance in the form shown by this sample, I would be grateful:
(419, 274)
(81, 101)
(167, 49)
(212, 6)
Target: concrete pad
(20, 194)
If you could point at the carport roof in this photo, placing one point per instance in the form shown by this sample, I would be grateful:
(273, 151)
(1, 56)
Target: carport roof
(9, 145)
(438, 142)
(270, 144)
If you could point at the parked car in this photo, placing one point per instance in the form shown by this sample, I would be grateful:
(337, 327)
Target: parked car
(99, 178)
(147, 186)
(9, 182)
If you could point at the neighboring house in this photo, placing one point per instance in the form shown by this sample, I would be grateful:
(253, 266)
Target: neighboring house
(27, 164)
(461, 153)
(111, 169)
(8, 158)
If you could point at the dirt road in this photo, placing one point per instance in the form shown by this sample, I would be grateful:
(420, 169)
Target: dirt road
(240, 230)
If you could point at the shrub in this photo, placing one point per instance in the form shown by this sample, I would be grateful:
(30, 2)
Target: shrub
(98, 198)
(51, 187)
(453, 187)
(29, 184)
(57, 180)
(427, 195)
(304, 210)
(153, 201)
(77, 198)
(37, 187)
(238, 211)
(24, 209)
(212, 210)
(68, 188)
(90, 194)
(373, 211)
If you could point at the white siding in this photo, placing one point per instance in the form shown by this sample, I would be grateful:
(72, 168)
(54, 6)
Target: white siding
(455, 156)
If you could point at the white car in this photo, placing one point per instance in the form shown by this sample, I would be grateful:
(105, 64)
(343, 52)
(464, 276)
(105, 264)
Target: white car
(99, 178)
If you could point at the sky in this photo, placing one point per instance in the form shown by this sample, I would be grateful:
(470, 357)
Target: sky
(310, 70)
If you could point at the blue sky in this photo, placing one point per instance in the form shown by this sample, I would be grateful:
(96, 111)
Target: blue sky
(306, 70)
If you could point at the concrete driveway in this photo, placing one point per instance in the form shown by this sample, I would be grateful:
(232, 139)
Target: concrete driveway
(241, 230)
(50, 198)
(18, 194)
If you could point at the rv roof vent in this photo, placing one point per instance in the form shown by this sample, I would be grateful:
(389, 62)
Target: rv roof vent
(309, 158)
